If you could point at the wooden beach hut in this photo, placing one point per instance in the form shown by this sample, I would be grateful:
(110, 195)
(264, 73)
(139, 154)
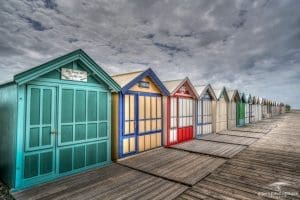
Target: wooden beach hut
(264, 109)
(55, 120)
(259, 108)
(247, 108)
(204, 110)
(254, 113)
(240, 110)
(180, 113)
(221, 110)
(234, 99)
(269, 108)
(137, 113)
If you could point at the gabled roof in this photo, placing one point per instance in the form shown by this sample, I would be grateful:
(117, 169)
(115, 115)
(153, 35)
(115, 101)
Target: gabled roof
(128, 80)
(243, 97)
(232, 94)
(201, 89)
(124, 79)
(255, 100)
(49, 66)
(219, 92)
(174, 85)
(248, 98)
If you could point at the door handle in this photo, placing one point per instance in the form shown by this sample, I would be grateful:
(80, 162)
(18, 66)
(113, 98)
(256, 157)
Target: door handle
(53, 131)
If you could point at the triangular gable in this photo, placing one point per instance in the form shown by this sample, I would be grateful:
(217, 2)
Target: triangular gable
(78, 55)
(183, 87)
(149, 74)
(243, 97)
(233, 95)
(202, 90)
(220, 93)
(248, 98)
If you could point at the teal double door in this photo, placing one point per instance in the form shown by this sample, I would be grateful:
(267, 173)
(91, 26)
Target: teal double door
(67, 130)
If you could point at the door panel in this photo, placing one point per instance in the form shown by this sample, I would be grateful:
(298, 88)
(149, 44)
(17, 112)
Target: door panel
(204, 117)
(181, 118)
(149, 122)
(40, 115)
(81, 139)
(129, 138)
(221, 118)
(82, 128)
(39, 156)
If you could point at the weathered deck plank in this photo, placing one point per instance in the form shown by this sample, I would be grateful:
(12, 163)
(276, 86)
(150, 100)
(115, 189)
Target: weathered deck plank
(230, 139)
(184, 167)
(210, 148)
(242, 134)
(268, 169)
(112, 182)
(251, 129)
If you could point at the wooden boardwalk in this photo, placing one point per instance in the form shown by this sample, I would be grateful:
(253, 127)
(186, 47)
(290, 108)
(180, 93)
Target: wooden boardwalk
(112, 182)
(268, 169)
(210, 148)
(242, 134)
(251, 129)
(180, 166)
(230, 139)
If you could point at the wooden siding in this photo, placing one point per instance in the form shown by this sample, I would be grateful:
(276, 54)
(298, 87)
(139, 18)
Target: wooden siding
(115, 125)
(152, 87)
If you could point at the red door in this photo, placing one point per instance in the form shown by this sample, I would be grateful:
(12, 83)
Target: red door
(185, 119)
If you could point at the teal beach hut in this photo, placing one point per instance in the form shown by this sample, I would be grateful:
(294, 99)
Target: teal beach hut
(55, 120)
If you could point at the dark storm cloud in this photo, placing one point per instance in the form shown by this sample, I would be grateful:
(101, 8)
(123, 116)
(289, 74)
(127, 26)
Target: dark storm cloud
(36, 25)
(252, 45)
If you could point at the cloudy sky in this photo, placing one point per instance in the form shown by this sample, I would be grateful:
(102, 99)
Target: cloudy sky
(250, 45)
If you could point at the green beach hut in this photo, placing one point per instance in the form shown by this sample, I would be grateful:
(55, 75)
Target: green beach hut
(240, 110)
(55, 120)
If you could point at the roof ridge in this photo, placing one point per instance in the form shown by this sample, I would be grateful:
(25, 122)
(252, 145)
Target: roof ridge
(133, 72)
(180, 79)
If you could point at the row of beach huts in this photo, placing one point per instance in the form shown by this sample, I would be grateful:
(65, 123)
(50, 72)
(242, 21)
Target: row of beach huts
(68, 115)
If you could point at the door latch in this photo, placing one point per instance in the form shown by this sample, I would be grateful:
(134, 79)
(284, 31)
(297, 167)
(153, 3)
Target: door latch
(53, 131)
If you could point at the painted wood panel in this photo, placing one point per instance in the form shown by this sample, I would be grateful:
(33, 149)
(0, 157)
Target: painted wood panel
(151, 89)
(204, 116)
(221, 115)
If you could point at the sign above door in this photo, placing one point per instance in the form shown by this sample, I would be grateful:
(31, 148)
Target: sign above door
(73, 74)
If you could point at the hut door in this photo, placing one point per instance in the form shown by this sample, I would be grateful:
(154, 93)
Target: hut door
(204, 121)
(149, 120)
(185, 119)
(173, 121)
(40, 131)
